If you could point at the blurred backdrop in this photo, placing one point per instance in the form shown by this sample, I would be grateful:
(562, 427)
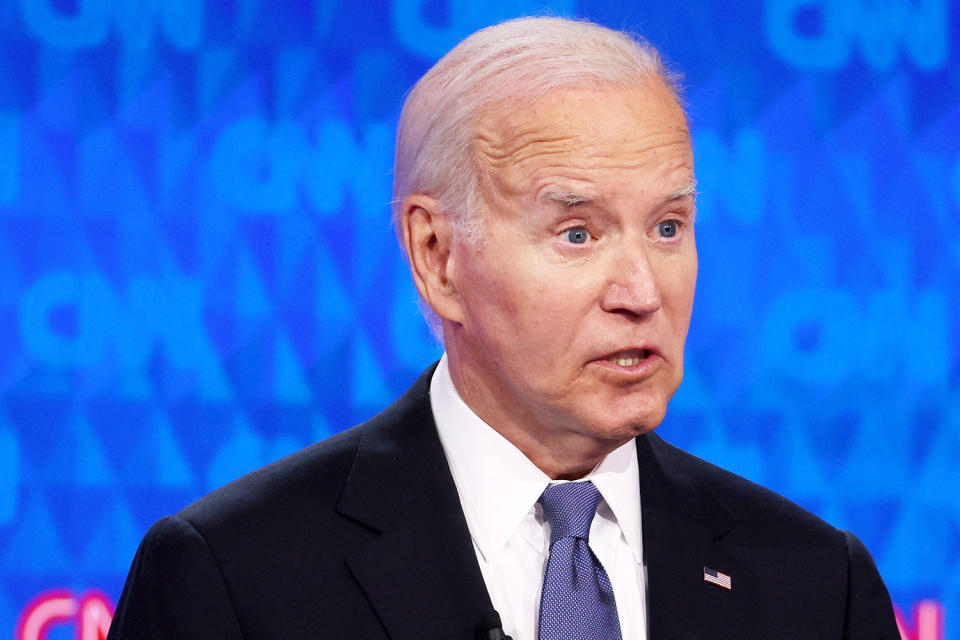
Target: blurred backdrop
(198, 274)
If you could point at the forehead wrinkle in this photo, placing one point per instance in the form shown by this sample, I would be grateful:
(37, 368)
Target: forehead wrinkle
(505, 150)
(567, 138)
(517, 147)
(532, 160)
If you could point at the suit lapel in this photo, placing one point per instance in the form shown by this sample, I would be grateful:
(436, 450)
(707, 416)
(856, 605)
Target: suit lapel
(684, 531)
(420, 572)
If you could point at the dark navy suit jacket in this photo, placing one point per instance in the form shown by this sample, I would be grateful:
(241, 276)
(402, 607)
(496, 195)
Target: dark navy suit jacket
(362, 536)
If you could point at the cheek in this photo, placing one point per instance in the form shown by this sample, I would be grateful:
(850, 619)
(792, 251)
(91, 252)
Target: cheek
(677, 289)
(526, 314)
(681, 293)
(508, 280)
(493, 294)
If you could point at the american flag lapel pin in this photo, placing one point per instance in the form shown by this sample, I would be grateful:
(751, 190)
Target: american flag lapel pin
(717, 577)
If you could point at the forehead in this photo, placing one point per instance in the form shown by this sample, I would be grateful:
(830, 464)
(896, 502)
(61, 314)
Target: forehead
(585, 133)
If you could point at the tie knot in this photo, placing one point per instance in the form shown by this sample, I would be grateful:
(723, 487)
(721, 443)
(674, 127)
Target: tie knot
(569, 508)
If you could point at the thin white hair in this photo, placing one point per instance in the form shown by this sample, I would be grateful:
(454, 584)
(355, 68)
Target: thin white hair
(516, 61)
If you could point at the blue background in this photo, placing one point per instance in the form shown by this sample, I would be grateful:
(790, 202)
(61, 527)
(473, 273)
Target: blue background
(198, 273)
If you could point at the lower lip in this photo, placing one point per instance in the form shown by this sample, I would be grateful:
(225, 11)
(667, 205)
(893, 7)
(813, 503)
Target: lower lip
(641, 370)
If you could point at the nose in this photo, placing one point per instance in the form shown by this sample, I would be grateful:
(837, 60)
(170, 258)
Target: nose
(631, 286)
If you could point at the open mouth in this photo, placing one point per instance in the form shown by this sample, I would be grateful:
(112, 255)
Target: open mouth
(629, 358)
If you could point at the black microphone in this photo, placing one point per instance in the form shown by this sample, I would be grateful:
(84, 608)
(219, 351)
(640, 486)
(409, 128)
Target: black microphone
(490, 628)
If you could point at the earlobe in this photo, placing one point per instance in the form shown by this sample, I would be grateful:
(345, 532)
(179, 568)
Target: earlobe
(429, 241)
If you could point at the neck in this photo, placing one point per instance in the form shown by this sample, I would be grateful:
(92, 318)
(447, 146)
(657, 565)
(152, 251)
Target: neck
(562, 453)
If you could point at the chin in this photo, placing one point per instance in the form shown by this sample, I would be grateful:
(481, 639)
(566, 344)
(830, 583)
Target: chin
(629, 426)
(643, 425)
(635, 416)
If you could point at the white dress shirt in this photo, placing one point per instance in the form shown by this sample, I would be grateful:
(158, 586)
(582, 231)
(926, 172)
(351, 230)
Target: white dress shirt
(499, 488)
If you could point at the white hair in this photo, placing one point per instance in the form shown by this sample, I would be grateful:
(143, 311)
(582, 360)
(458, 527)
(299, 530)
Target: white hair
(519, 60)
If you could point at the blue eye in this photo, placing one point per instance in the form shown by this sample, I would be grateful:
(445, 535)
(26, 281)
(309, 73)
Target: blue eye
(578, 235)
(668, 228)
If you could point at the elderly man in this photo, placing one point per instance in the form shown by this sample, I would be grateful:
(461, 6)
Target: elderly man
(545, 197)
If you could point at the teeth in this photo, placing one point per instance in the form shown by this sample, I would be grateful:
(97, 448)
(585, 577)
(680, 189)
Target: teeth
(634, 358)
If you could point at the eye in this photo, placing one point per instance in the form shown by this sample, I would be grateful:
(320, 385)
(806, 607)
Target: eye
(668, 228)
(577, 235)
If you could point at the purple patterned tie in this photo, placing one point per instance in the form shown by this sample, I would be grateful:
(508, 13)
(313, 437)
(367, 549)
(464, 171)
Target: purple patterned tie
(577, 600)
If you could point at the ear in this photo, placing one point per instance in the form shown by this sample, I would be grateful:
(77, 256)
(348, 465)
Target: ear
(428, 239)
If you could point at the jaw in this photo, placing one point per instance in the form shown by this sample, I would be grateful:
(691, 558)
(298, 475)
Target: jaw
(571, 430)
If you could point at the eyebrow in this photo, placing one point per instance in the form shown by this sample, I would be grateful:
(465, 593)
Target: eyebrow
(686, 191)
(566, 198)
(572, 199)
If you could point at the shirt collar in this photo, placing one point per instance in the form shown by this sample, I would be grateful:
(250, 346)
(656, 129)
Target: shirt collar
(617, 477)
(498, 485)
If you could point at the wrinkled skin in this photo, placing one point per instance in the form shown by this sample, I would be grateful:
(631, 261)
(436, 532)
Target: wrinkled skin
(565, 325)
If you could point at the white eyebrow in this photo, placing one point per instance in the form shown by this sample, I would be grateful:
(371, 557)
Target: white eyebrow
(566, 198)
(689, 189)
(571, 199)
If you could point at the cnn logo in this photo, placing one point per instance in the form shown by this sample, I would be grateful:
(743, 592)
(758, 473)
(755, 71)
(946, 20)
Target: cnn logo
(90, 614)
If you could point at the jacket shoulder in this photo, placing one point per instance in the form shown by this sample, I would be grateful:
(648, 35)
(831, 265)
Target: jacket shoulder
(312, 479)
(749, 503)
(804, 577)
(312, 475)
(272, 546)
